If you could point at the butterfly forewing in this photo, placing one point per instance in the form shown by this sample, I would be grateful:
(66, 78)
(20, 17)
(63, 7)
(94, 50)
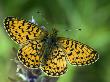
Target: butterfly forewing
(78, 53)
(30, 54)
(55, 64)
(21, 31)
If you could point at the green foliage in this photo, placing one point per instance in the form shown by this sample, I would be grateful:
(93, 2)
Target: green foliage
(92, 16)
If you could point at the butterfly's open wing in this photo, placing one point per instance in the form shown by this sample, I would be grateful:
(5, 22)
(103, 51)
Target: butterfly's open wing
(30, 54)
(78, 53)
(55, 64)
(20, 30)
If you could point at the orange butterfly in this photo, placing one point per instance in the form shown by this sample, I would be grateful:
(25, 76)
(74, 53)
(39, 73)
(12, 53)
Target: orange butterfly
(40, 49)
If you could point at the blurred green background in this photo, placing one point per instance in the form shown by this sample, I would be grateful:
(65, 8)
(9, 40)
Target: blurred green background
(91, 16)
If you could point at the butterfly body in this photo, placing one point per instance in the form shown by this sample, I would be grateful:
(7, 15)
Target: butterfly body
(40, 49)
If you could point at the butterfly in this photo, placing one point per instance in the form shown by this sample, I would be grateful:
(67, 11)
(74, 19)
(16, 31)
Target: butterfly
(47, 51)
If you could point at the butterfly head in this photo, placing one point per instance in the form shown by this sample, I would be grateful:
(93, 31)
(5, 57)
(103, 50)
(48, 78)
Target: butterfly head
(51, 38)
(53, 33)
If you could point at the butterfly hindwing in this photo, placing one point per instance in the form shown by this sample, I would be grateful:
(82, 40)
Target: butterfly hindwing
(78, 53)
(30, 54)
(55, 64)
(20, 30)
